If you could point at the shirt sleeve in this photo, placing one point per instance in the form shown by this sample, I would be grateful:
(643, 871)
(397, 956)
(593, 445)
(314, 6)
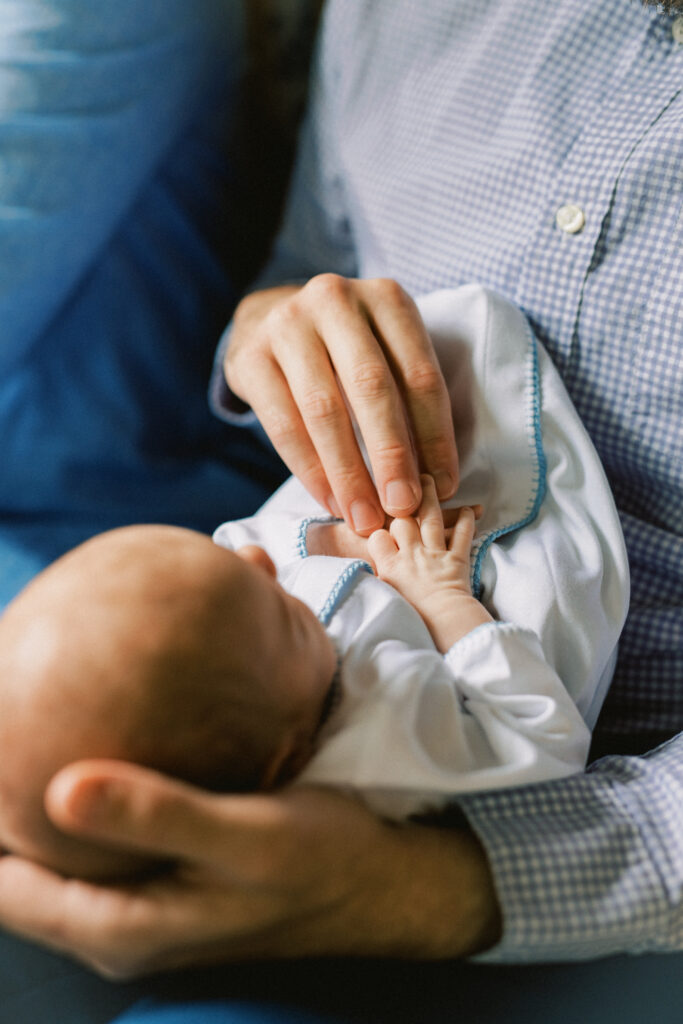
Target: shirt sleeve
(591, 865)
(415, 727)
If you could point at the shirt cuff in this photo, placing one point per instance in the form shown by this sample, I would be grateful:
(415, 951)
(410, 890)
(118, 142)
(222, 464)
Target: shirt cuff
(576, 871)
(224, 403)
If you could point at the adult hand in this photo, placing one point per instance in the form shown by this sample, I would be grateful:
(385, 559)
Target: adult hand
(309, 360)
(305, 872)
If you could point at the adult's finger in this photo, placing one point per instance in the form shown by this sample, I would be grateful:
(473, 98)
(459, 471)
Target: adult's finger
(145, 811)
(397, 323)
(315, 388)
(374, 396)
(32, 901)
(272, 401)
(111, 929)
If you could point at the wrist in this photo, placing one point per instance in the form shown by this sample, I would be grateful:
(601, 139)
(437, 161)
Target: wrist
(455, 910)
(451, 617)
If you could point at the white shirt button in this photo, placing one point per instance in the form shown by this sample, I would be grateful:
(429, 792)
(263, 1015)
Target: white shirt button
(570, 218)
(677, 29)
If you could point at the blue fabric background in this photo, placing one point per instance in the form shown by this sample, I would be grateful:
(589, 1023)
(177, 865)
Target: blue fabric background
(116, 238)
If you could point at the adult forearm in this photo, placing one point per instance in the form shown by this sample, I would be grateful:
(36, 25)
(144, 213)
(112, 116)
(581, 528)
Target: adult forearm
(591, 865)
(444, 903)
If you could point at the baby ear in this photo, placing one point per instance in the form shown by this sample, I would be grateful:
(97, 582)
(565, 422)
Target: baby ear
(257, 556)
(286, 763)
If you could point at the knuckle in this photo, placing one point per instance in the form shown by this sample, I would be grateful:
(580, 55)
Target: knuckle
(281, 319)
(390, 457)
(239, 365)
(328, 288)
(426, 379)
(371, 380)
(126, 949)
(390, 291)
(115, 969)
(349, 480)
(437, 448)
(319, 406)
(231, 366)
(281, 428)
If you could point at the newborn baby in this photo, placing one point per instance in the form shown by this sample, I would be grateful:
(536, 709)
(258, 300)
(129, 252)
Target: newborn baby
(155, 645)
(284, 658)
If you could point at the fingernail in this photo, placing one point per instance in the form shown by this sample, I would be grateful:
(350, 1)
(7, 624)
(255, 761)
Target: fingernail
(365, 516)
(92, 803)
(444, 483)
(334, 507)
(400, 495)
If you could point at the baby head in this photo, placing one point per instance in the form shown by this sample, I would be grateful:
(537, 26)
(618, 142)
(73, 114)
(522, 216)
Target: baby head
(152, 644)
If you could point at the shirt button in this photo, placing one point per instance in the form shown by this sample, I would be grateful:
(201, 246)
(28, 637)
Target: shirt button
(570, 218)
(677, 29)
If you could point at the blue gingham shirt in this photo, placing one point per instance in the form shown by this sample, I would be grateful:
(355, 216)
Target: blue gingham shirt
(443, 138)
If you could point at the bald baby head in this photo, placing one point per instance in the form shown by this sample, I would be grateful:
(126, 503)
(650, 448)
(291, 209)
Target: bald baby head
(153, 645)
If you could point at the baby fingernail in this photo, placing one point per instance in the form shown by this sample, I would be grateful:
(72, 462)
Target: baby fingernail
(365, 516)
(400, 495)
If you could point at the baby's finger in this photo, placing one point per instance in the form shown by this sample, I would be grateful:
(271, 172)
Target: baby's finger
(462, 536)
(381, 545)
(430, 517)
(405, 532)
(450, 515)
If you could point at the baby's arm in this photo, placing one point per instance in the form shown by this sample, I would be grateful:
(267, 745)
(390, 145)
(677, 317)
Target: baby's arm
(432, 569)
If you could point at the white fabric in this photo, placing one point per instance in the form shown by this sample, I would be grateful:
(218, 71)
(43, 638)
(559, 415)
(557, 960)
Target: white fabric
(511, 702)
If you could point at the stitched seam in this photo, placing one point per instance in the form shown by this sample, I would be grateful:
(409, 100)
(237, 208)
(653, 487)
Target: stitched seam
(535, 438)
(301, 542)
(341, 589)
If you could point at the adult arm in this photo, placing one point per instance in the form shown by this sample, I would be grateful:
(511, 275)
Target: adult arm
(584, 867)
(591, 865)
(305, 873)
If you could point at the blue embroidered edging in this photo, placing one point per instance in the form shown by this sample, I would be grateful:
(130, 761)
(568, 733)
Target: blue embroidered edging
(341, 588)
(302, 535)
(539, 478)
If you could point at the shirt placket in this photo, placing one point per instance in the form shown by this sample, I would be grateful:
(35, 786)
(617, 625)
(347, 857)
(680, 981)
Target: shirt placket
(559, 258)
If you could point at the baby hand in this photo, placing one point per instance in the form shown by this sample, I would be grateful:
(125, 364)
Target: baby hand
(431, 569)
